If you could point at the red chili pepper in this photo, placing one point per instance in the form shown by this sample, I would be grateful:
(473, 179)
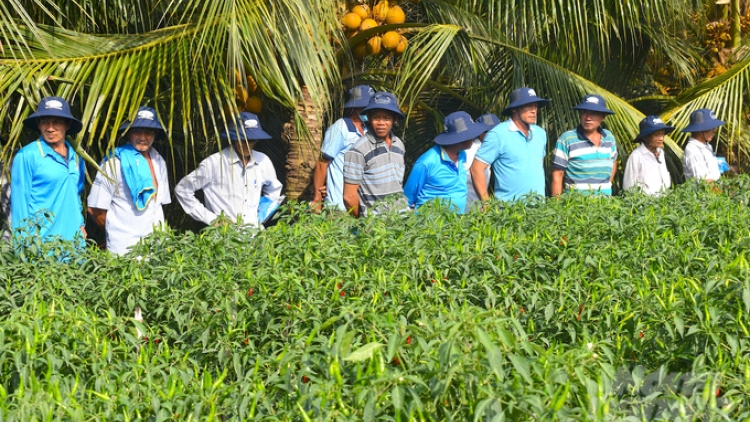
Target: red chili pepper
(338, 286)
(250, 292)
(515, 257)
(523, 311)
(305, 379)
(247, 341)
(157, 340)
(408, 340)
(580, 311)
(343, 293)
(396, 361)
(640, 335)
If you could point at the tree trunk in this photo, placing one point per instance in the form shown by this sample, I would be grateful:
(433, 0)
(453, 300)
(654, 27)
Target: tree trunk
(304, 139)
(736, 29)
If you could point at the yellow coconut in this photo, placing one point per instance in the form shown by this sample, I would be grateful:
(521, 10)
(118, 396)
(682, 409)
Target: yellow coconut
(380, 11)
(351, 21)
(252, 86)
(402, 43)
(395, 15)
(253, 104)
(390, 40)
(373, 45)
(367, 24)
(363, 11)
(359, 50)
(240, 93)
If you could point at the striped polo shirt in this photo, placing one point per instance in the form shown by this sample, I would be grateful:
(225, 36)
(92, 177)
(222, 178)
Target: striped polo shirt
(377, 170)
(587, 167)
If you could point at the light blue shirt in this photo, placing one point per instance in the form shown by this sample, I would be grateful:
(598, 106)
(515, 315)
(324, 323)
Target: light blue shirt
(337, 141)
(435, 175)
(516, 160)
(42, 180)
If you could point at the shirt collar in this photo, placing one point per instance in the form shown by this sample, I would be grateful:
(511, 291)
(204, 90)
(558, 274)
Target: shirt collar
(582, 135)
(233, 158)
(45, 149)
(512, 127)
(645, 151)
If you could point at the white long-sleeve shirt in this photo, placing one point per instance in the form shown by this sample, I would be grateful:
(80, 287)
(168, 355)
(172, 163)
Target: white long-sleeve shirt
(125, 224)
(229, 186)
(472, 196)
(643, 170)
(699, 161)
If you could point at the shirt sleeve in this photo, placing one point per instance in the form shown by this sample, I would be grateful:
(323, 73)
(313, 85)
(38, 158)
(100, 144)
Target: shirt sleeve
(354, 167)
(103, 189)
(163, 176)
(560, 158)
(415, 182)
(695, 165)
(632, 168)
(614, 148)
(186, 188)
(489, 151)
(22, 173)
(333, 142)
(271, 185)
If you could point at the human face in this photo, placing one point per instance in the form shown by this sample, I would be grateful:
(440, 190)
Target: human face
(141, 138)
(706, 135)
(527, 113)
(591, 120)
(244, 148)
(53, 129)
(655, 140)
(381, 121)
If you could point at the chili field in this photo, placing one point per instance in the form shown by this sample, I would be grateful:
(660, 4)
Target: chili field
(577, 308)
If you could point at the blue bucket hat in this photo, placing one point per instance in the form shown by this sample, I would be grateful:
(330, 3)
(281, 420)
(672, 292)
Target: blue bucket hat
(147, 119)
(246, 128)
(522, 96)
(593, 102)
(384, 101)
(651, 124)
(53, 107)
(359, 96)
(703, 119)
(490, 120)
(459, 128)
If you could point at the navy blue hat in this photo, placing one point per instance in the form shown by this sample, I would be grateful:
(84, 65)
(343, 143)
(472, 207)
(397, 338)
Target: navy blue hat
(459, 128)
(490, 120)
(384, 101)
(53, 107)
(147, 119)
(703, 119)
(593, 102)
(246, 128)
(359, 96)
(651, 124)
(522, 96)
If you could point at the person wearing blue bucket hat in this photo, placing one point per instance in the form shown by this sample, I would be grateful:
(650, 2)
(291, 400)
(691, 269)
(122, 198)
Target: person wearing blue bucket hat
(236, 181)
(585, 158)
(646, 168)
(490, 121)
(374, 166)
(329, 171)
(441, 171)
(515, 150)
(129, 191)
(699, 160)
(47, 177)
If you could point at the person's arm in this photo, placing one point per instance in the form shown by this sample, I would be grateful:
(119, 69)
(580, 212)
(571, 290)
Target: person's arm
(630, 177)
(351, 199)
(557, 181)
(415, 183)
(271, 185)
(186, 188)
(102, 191)
(20, 189)
(478, 179)
(614, 170)
(319, 182)
(99, 215)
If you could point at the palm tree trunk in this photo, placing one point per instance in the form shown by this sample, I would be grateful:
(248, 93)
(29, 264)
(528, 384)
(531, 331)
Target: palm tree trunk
(304, 138)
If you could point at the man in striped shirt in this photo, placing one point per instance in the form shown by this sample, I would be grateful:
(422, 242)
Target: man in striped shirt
(585, 157)
(374, 166)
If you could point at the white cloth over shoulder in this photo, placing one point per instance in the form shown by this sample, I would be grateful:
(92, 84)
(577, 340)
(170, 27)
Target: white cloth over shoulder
(643, 170)
(699, 161)
(125, 224)
(229, 186)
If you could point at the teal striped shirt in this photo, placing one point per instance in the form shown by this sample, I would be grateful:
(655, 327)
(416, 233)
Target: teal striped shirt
(587, 167)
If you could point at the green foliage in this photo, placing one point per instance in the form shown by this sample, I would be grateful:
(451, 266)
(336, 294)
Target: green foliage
(577, 308)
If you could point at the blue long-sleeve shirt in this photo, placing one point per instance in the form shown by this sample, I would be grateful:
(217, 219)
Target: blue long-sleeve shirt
(435, 175)
(43, 180)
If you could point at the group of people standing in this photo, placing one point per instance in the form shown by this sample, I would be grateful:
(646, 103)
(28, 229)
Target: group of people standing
(126, 198)
(362, 160)
(360, 171)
